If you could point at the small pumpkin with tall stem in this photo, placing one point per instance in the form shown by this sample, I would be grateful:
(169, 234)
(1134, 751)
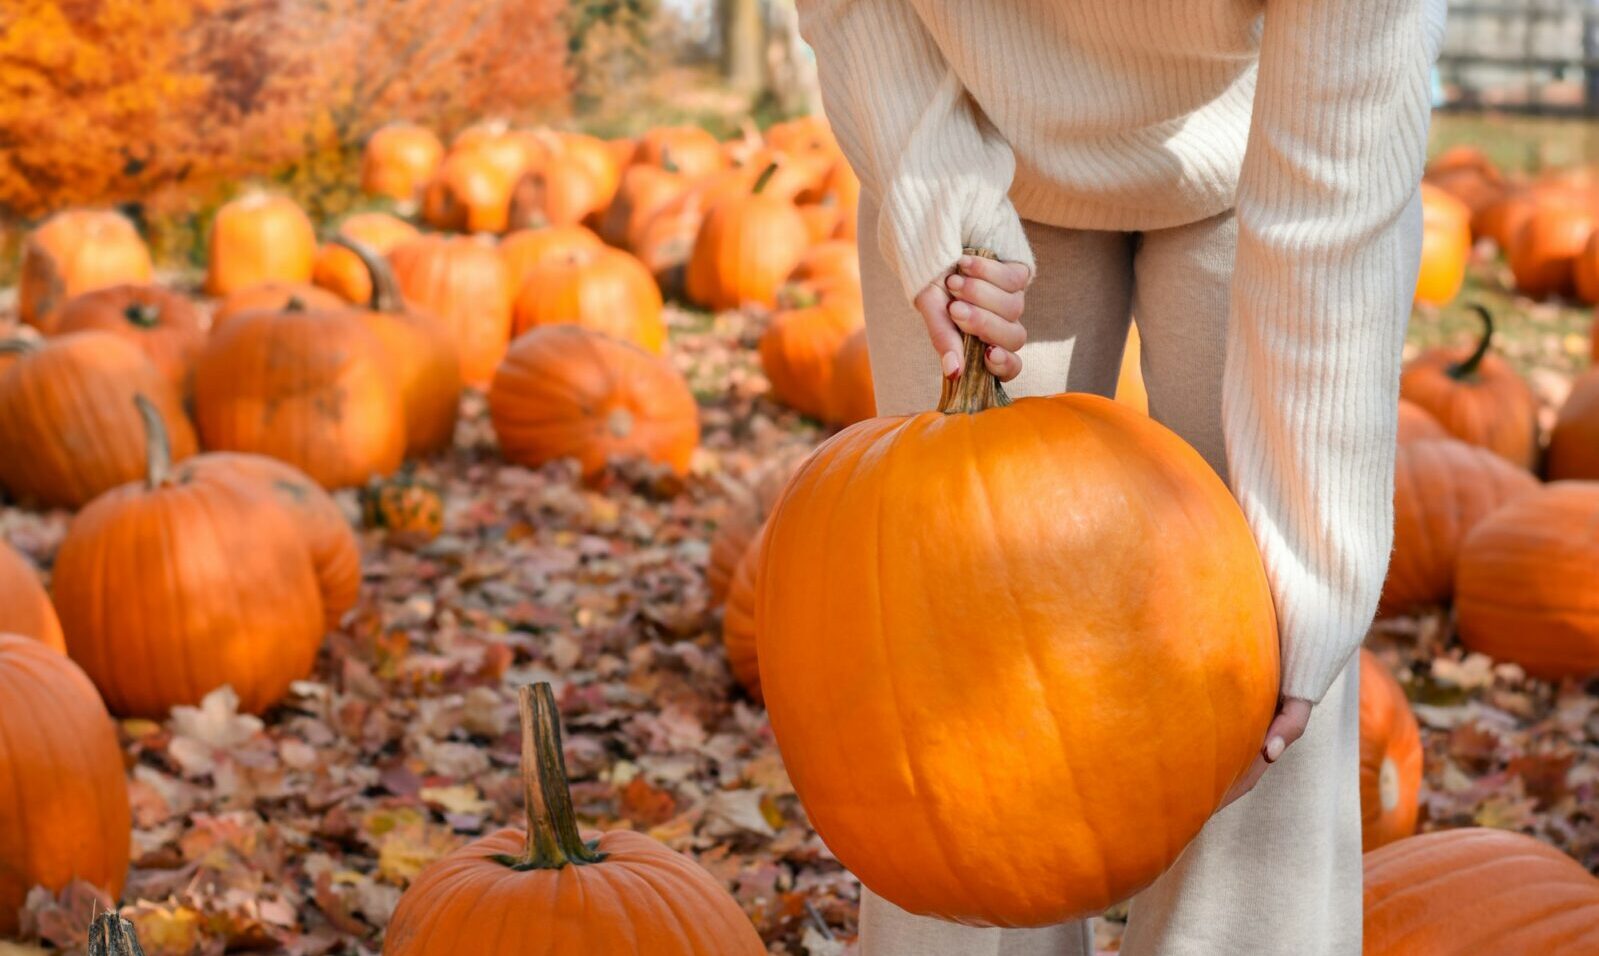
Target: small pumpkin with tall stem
(550, 890)
(1476, 396)
(911, 672)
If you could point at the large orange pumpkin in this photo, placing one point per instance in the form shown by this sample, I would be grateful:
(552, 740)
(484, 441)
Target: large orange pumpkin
(746, 247)
(64, 811)
(1442, 489)
(566, 392)
(259, 238)
(469, 192)
(799, 353)
(689, 150)
(421, 356)
(1132, 595)
(1477, 891)
(464, 284)
(340, 271)
(1543, 252)
(73, 252)
(1476, 396)
(745, 515)
(738, 619)
(1390, 757)
(556, 892)
(1574, 444)
(164, 324)
(1527, 584)
(68, 428)
(314, 389)
(25, 606)
(173, 586)
(603, 289)
(398, 160)
(275, 297)
(854, 396)
(1416, 424)
(1445, 246)
(526, 248)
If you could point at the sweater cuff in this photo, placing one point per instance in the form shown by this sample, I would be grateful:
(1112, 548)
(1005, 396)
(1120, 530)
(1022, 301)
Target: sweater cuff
(1317, 643)
(926, 242)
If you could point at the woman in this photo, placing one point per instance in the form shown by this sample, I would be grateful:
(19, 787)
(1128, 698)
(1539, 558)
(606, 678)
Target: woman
(1240, 176)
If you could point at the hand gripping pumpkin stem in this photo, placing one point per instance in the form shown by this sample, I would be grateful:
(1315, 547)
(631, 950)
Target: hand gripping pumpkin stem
(1463, 371)
(552, 837)
(386, 295)
(157, 446)
(977, 390)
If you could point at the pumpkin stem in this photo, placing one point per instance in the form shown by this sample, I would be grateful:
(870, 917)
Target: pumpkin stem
(552, 837)
(145, 315)
(1462, 371)
(977, 390)
(295, 304)
(111, 935)
(764, 178)
(386, 297)
(157, 446)
(20, 346)
(667, 162)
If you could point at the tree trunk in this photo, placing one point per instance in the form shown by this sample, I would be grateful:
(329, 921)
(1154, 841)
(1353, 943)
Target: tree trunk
(743, 45)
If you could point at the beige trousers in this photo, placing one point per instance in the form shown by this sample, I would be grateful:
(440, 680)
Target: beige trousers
(1278, 873)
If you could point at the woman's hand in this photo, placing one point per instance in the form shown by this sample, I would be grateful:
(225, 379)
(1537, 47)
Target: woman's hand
(1288, 726)
(983, 297)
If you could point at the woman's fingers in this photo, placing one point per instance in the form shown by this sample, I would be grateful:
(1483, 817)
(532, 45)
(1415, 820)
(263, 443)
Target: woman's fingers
(1293, 715)
(1002, 364)
(1008, 276)
(986, 295)
(993, 329)
(933, 304)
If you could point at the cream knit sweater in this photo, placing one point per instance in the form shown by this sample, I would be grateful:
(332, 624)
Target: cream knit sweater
(965, 117)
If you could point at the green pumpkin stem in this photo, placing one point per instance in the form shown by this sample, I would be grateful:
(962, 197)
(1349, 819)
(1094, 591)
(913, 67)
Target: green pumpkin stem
(144, 315)
(1463, 371)
(157, 446)
(764, 178)
(552, 837)
(977, 390)
(386, 296)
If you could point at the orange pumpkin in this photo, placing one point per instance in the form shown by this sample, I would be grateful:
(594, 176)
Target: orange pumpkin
(509, 151)
(162, 323)
(1478, 891)
(1574, 444)
(201, 571)
(259, 238)
(68, 428)
(821, 221)
(1543, 253)
(664, 240)
(1445, 246)
(314, 389)
(563, 190)
(1474, 188)
(830, 261)
(567, 392)
(854, 395)
(557, 892)
(805, 134)
(339, 270)
(399, 159)
(689, 150)
(1130, 390)
(421, 356)
(799, 353)
(470, 192)
(738, 619)
(602, 289)
(1415, 424)
(73, 252)
(64, 811)
(1476, 396)
(25, 607)
(1461, 156)
(1442, 489)
(747, 245)
(1527, 583)
(1100, 501)
(275, 297)
(596, 155)
(843, 188)
(1585, 270)
(1390, 757)
(464, 284)
(745, 515)
(641, 194)
(526, 248)
(1501, 219)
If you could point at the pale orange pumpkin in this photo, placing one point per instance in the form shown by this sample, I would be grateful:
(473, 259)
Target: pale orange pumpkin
(603, 289)
(595, 154)
(462, 282)
(562, 190)
(830, 261)
(1442, 489)
(689, 150)
(25, 607)
(567, 392)
(399, 159)
(1445, 246)
(1574, 443)
(164, 325)
(73, 252)
(1527, 582)
(854, 397)
(1476, 396)
(64, 812)
(1390, 757)
(338, 269)
(470, 192)
(510, 151)
(259, 238)
(746, 247)
(1476, 891)
(643, 191)
(526, 248)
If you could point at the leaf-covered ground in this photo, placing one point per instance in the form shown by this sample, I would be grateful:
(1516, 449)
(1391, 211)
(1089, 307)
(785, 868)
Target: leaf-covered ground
(297, 833)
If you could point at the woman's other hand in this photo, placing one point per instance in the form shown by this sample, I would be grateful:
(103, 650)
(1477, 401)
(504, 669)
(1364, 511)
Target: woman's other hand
(1288, 726)
(983, 297)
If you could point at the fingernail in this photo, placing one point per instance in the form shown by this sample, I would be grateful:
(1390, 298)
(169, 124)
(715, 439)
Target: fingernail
(952, 365)
(956, 281)
(967, 262)
(1274, 749)
(988, 352)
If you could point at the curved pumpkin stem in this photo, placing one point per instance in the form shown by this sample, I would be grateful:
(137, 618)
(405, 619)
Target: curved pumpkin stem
(552, 837)
(764, 178)
(157, 446)
(977, 390)
(20, 346)
(1465, 370)
(386, 296)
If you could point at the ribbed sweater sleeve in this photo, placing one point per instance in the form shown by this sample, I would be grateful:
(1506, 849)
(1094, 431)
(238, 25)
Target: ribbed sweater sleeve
(941, 173)
(1328, 220)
